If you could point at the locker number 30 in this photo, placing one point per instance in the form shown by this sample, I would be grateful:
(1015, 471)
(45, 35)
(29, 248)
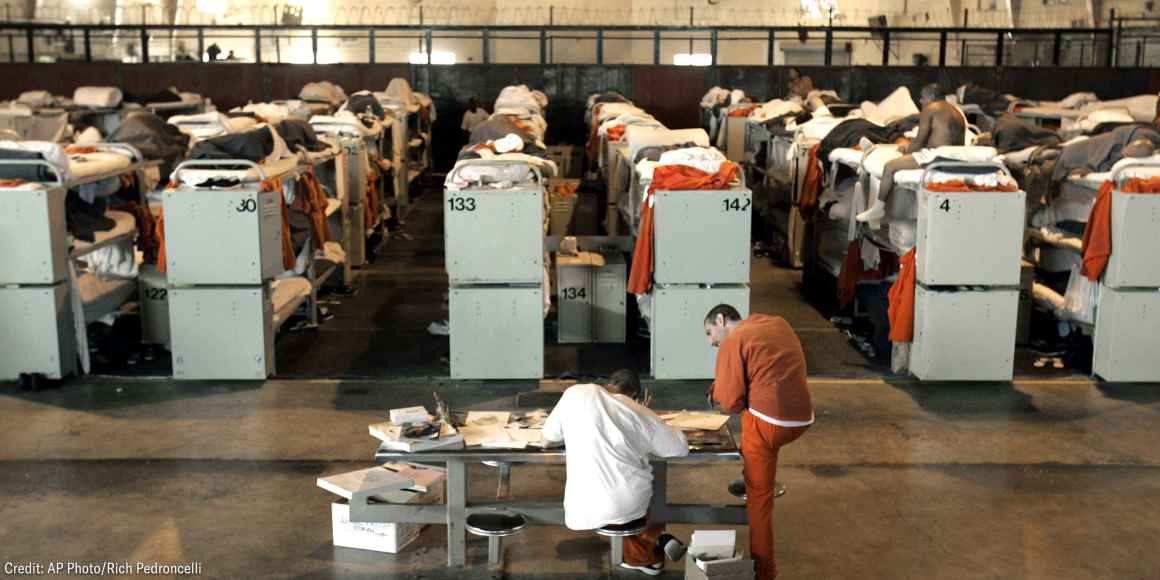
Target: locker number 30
(736, 204)
(462, 203)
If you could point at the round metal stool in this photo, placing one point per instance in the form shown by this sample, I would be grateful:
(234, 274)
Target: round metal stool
(737, 489)
(616, 534)
(495, 526)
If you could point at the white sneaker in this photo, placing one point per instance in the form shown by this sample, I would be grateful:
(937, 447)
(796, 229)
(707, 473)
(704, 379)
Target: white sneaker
(653, 570)
(875, 213)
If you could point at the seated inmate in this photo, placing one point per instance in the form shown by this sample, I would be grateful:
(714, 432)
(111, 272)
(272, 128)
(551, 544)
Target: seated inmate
(940, 124)
(608, 438)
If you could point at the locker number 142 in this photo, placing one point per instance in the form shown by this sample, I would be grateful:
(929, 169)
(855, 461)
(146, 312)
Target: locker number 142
(736, 204)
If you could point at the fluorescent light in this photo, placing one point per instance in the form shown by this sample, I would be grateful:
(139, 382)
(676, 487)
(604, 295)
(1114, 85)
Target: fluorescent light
(437, 57)
(693, 59)
(313, 9)
(212, 7)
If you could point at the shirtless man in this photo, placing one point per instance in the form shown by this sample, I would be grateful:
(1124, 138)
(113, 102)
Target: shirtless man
(940, 124)
(799, 86)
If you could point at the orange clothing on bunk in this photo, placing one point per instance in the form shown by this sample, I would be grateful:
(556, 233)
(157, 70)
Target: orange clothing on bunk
(811, 185)
(288, 257)
(1097, 234)
(374, 201)
(669, 178)
(743, 111)
(616, 132)
(958, 185)
(159, 235)
(311, 200)
(80, 150)
(12, 182)
(901, 297)
(853, 271)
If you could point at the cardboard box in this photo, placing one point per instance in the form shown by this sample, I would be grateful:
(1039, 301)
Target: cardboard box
(736, 568)
(389, 538)
(409, 415)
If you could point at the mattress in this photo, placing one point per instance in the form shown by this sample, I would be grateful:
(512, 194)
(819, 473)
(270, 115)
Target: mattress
(332, 205)
(241, 124)
(87, 165)
(849, 157)
(315, 157)
(188, 100)
(638, 137)
(1018, 158)
(125, 225)
(196, 176)
(101, 294)
(286, 295)
(345, 123)
(1096, 179)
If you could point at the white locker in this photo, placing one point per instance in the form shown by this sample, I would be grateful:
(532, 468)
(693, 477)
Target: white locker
(591, 298)
(1135, 241)
(33, 221)
(964, 335)
(679, 347)
(494, 236)
(222, 236)
(39, 336)
(969, 238)
(1127, 324)
(497, 332)
(702, 236)
(221, 333)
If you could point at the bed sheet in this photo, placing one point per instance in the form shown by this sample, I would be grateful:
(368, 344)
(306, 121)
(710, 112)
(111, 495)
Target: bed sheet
(194, 176)
(286, 294)
(124, 222)
(89, 164)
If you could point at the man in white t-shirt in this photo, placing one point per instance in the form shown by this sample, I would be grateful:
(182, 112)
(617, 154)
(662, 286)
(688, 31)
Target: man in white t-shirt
(474, 115)
(609, 437)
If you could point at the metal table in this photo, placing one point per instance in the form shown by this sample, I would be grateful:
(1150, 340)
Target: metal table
(704, 447)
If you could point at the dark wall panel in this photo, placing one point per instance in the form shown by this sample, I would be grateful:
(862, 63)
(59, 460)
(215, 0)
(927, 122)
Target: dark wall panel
(670, 94)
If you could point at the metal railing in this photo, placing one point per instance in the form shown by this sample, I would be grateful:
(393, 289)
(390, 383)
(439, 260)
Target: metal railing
(806, 46)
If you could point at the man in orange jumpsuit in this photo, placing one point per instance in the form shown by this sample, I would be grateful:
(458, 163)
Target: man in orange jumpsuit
(761, 373)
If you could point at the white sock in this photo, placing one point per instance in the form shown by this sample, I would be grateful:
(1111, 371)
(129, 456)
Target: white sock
(876, 212)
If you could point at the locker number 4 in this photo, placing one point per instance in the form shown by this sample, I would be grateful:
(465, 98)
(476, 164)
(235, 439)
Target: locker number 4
(462, 203)
(945, 205)
(573, 293)
(736, 204)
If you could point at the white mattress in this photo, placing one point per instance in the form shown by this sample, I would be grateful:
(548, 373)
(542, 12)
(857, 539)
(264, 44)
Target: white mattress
(187, 100)
(345, 123)
(849, 157)
(1018, 158)
(314, 157)
(126, 224)
(194, 176)
(332, 205)
(287, 294)
(1095, 180)
(89, 164)
(102, 294)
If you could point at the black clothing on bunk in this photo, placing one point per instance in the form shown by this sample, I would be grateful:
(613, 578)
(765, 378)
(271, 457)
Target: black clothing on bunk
(84, 219)
(299, 134)
(1099, 153)
(494, 129)
(165, 96)
(992, 103)
(610, 97)
(849, 133)
(253, 145)
(1012, 134)
(365, 103)
(154, 138)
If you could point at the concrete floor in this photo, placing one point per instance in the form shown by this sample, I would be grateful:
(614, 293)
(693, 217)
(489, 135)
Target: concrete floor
(1048, 477)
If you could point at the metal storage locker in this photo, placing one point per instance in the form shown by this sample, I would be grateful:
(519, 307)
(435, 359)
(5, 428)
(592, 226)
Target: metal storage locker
(680, 349)
(964, 335)
(497, 332)
(735, 138)
(39, 334)
(1135, 241)
(222, 333)
(973, 238)
(1127, 324)
(685, 254)
(223, 236)
(494, 236)
(154, 297)
(591, 298)
(33, 221)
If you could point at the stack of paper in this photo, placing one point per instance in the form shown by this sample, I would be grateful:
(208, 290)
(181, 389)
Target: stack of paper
(425, 477)
(364, 483)
(695, 421)
(393, 439)
(713, 544)
(487, 418)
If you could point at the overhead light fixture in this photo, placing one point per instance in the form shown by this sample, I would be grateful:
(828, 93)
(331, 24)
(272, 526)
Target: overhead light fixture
(693, 59)
(437, 57)
(313, 9)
